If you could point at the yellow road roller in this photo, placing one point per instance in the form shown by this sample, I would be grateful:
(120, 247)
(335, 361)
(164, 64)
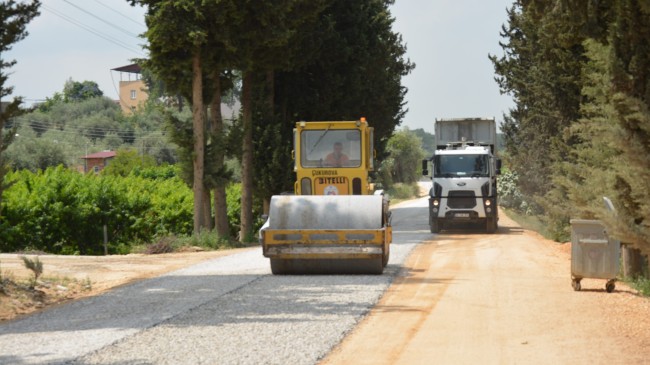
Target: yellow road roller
(336, 223)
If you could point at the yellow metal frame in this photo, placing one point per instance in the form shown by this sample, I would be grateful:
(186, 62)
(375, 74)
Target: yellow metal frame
(331, 243)
(326, 243)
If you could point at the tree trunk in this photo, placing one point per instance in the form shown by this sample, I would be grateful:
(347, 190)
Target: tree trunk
(246, 226)
(207, 202)
(207, 209)
(198, 119)
(3, 171)
(270, 107)
(220, 204)
(632, 262)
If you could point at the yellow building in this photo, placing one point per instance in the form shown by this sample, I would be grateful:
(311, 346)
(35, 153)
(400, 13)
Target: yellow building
(133, 91)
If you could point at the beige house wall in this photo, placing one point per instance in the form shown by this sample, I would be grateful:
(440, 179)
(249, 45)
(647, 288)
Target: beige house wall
(132, 95)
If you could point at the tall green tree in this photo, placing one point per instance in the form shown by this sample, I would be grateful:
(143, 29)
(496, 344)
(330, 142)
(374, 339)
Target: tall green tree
(356, 72)
(405, 151)
(609, 159)
(541, 69)
(186, 44)
(352, 63)
(630, 69)
(265, 43)
(273, 165)
(77, 91)
(428, 141)
(578, 72)
(14, 17)
(175, 33)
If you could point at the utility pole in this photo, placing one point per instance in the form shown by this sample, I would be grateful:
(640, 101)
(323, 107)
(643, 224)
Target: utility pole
(86, 160)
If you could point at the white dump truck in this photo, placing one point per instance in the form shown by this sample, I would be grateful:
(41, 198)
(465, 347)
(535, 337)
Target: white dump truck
(464, 171)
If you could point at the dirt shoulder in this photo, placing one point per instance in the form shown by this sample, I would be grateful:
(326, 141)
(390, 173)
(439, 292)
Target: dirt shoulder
(67, 278)
(498, 299)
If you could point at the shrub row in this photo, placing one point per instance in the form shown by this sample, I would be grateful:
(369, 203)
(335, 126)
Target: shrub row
(61, 211)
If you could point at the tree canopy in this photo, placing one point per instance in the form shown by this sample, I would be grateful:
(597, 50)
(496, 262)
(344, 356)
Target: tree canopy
(580, 130)
(14, 17)
(298, 60)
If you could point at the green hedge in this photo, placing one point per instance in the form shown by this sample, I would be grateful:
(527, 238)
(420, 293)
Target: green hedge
(62, 211)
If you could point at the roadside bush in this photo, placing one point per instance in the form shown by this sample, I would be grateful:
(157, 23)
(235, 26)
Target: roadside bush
(233, 199)
(162, 246)
(642, 284)
(403, 191)
(509, 194)
(62, 211)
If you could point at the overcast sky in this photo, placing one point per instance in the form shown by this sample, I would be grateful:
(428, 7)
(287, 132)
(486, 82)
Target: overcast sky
(449, 41)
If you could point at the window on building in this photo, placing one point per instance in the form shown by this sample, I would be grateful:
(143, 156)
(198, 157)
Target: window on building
(132, 94)
(96, 169)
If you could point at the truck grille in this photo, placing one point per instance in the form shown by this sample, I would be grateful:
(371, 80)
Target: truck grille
(463, 199)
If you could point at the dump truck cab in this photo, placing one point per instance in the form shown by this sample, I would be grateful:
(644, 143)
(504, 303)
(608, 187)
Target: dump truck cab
(335, 223)
(464, 173)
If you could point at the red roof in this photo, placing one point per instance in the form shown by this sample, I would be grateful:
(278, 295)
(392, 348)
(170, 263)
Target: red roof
(103, 154)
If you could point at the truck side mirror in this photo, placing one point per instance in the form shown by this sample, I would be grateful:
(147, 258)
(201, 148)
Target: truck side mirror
(425, 165)
(498, 166)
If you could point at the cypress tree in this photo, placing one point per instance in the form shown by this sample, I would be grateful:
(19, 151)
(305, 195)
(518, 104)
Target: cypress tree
(14, 17)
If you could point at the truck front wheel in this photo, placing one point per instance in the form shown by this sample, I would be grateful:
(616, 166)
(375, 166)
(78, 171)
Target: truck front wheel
(434, 224)
(491, 224)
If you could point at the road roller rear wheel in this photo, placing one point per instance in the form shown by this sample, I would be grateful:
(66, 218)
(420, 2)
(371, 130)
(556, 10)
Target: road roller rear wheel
(373, 266)
(279, 267)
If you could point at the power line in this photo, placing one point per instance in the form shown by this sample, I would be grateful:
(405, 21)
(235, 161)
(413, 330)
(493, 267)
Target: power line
(146, 148)
(113, 10)
(96, 132)
(91, 30)
(135, 145)
(103, 20)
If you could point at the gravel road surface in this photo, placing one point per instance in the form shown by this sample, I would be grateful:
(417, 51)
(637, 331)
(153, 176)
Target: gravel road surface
(227, 310)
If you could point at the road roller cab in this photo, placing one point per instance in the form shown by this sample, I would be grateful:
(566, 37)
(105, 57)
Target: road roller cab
(333, 158)
(336, 223)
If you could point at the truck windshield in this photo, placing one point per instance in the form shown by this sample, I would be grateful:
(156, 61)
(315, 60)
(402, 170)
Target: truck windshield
(330, 148)
(461, 166)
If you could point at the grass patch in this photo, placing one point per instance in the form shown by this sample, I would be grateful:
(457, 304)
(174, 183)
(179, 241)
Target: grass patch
(208, 240)
(399, 192)
(533, 223)
(529, 222)
(204, 241)
(642, 284)
(21, 296)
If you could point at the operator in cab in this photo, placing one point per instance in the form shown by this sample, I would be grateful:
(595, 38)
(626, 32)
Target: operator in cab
(337, 158)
